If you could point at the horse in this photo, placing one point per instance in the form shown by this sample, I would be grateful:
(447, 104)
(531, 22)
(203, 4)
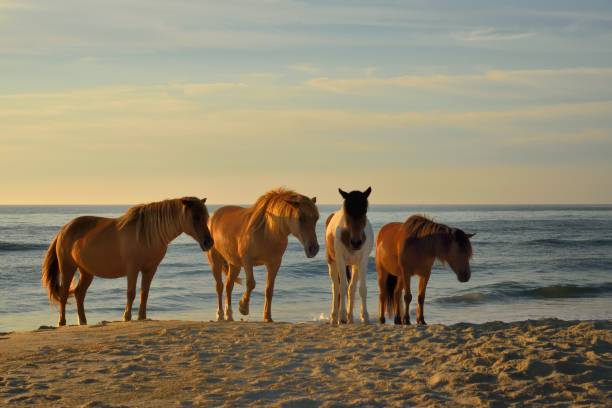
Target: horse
(258, 235)
(409, 249)
(349, 241)
(116, 247)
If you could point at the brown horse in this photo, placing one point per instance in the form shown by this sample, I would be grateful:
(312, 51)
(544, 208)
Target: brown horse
(116, 247)
(408, 249)
(248, 237)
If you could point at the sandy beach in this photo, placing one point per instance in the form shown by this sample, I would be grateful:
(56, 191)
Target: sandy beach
(179, 363)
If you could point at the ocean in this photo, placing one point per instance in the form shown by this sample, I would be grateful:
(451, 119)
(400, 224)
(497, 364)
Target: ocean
(529, 262)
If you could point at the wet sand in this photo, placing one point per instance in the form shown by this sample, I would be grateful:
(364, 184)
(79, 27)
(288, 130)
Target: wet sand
(179, 363)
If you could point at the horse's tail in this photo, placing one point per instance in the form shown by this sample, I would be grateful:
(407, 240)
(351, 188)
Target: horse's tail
(50, 272)
(348, 273)
(390, 285)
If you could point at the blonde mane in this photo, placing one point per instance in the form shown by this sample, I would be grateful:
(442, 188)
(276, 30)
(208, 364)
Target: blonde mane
(155, 223)
(275, 203)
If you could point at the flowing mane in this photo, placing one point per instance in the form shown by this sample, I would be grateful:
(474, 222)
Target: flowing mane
(419, 226)
(276, 203)
(156, 223)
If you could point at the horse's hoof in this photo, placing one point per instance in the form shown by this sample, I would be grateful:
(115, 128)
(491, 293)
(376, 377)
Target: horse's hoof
(406, 320)
(365, 318)
(61, 323)
(243, 307)
(343, 321)
(397, 320)
(82, 322)
(422, 322)
(229, 319)
(382, 320)
(268, 320)
(127, 318)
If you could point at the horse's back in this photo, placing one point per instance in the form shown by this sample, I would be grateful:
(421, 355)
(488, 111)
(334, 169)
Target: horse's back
(330, 235)
(93, 243)
(386, 247)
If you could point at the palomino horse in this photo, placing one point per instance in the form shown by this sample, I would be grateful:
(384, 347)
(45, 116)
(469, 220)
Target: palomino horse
(408, 249)
(248, 237)
(116, 247)
(350, 239)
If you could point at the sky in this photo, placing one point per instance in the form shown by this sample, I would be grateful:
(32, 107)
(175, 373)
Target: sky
(428, 102)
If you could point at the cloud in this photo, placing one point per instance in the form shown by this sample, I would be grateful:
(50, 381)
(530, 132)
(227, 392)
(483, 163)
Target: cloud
(499, 85)
(305, 68)
(491, 34)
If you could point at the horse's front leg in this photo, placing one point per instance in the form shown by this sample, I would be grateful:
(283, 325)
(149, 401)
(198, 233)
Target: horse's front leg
(243, 306)
(341, 271)
(145, 285)
(272, 268)
(352, 288)
(363, 291)
(132, 276)
(333, 276)
(421, 299)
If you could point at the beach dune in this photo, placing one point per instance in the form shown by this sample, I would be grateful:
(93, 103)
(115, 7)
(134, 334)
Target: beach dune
(179, 363)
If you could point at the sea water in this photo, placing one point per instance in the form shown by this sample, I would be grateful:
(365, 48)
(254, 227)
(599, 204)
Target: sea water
(529, 262)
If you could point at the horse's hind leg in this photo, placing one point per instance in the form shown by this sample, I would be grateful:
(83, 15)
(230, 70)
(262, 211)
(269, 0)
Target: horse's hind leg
(145, 285)
(382, 292)
(85, 280)
(229, 287)
(67, 270)
(132, 277)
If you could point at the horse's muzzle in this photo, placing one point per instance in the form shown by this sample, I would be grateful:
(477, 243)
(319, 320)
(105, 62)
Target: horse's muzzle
(312, 250)
(464, 277)
(207, 244)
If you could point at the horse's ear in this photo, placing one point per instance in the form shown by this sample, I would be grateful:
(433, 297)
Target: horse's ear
(367, 192)
(314, 199)
(344, 194)
(203, 200)
(470, 235)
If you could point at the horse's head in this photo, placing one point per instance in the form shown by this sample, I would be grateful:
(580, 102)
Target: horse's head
(302, 225)
(195, 221)
(355, 209)
(460, 253)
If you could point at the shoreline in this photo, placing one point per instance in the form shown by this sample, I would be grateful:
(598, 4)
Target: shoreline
(187, 363)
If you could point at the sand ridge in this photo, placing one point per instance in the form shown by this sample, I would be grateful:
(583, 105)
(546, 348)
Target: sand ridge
(178, 363)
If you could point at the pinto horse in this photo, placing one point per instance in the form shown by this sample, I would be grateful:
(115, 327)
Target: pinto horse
(409, 249)
(115, 247)
(258, 235)
(349, 239)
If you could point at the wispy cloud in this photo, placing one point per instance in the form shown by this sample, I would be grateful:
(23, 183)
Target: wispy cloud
(491, 34)
(305, 68)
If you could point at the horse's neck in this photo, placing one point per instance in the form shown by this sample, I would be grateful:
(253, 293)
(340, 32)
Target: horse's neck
(276, 228)
(439, 248)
